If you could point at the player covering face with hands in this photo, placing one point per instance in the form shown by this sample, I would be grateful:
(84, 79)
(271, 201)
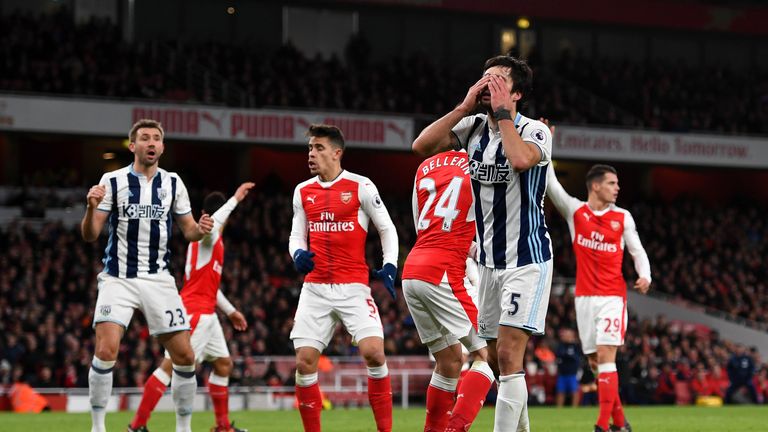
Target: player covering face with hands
(331, 215)
(508, 155)
(139, 203)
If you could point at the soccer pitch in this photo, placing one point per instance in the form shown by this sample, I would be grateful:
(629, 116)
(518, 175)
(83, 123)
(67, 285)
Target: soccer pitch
(672, 418)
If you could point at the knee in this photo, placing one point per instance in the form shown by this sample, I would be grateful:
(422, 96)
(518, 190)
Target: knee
(305, 365)
(374, 358)
(450, 367)
(184, 357)
(223, 367)
(106, 352)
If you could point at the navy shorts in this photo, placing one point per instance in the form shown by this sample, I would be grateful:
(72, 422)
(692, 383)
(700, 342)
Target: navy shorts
(567, 384)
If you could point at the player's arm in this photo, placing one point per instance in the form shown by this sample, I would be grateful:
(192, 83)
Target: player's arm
(440, 136)
(297, 242)
(193, 231)
(521, 153)
(235, 317)
(221, 215)
(564, 203)
(374, 207)
(96, 212)
(640, 258)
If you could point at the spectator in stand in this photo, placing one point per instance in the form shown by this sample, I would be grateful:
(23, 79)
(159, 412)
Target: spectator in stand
(701, 385)
(741, 371)
(568, 364)
(665, 392)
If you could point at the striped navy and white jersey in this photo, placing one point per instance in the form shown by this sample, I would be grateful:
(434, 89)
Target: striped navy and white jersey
(509, 205)
(140, 220)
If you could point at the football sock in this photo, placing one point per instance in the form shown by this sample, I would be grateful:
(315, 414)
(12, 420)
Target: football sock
(511, 403)
(183, 389)
(219, 391)
(607, 392)
(440, 394)
(471, 395)
(310, 401)
(380, 397)
(99, 390)
(154, 389)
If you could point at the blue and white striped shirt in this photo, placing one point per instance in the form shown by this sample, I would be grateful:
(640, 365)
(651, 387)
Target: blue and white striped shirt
(140, 220)
(509, 205)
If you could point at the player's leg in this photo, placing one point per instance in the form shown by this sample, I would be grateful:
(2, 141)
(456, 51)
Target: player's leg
(154, 388)
(474, 387)
(183, 381)
(168, 321)
(115, 303)
(313, 328)
(217, 351)
(442, 386)
(108, 335)
(610, 322)
(379, 383)
(524, 301)
(512, 400)
(441, 391)
(358, 312)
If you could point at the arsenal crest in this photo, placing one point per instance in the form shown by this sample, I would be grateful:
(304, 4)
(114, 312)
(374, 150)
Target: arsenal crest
(615, 225)
(346, 197)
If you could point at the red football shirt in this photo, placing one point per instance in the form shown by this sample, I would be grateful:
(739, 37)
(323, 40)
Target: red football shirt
(203, 275)
(445, 224)
(331, 219)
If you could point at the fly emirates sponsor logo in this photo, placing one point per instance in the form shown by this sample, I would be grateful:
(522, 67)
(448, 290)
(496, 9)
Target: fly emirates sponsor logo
(328, 223)
(596, 241)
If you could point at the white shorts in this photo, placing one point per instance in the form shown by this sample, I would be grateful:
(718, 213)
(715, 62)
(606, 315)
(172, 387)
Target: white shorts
(516, 297)
(322, 306)
(155, 295)
(207, 338)
(443, 317)
(602, 320)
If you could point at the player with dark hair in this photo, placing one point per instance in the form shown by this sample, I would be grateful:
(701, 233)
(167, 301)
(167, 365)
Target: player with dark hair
(600, 231)
(201, 295)
(508, 155)
(331, 214)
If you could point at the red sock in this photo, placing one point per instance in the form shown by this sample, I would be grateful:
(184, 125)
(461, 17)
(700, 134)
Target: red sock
(310, 406)
(439, 405)
(380, 397)
(153, 391)
(470, 398)
(220, 397)
(618, 413)
(607, 393)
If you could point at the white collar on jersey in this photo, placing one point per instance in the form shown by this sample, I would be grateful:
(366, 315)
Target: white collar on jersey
(328, 184)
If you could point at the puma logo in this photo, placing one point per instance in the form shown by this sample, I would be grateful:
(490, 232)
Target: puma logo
(311, 199)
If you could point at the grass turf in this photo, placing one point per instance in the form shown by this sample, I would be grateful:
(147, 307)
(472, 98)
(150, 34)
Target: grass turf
(673, 419)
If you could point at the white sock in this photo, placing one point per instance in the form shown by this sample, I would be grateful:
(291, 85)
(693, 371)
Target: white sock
(99, 390)
(183, 389)
(511, 404)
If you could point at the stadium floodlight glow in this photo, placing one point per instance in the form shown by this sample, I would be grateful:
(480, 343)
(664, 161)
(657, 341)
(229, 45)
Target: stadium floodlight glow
(231, 10)
(108, 156)
(523, 23)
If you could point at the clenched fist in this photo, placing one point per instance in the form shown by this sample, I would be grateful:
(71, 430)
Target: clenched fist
(95, 195)
(205, 224)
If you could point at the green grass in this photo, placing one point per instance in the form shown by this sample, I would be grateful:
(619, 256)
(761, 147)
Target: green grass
(674, 419)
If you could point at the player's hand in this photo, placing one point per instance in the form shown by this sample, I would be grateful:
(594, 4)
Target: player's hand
(642, 285)
(96, 195)
(472, 99)
(238, 321)
(205, 224)
(550, 126)
(500, 97)
(242, 191)
(302, 261)
(387, 274)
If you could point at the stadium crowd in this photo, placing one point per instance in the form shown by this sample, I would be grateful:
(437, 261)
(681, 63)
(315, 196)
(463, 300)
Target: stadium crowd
(48, 288)
(50, 54)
